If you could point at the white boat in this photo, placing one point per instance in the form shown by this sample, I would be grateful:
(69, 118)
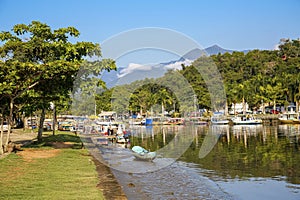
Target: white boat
(121, 139)
(246, 120)
(120, 136)
(219, 118)
(289, 118)
(5, 126)
(106, 127)
(142, 154)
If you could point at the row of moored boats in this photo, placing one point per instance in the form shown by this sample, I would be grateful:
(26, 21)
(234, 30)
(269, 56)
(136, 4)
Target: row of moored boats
(285, 118)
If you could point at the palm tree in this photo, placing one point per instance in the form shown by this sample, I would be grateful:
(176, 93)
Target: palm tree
(164, 97)
(151, 100)
(297, 92)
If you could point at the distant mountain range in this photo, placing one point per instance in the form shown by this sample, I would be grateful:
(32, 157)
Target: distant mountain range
(127, 74)
(213, 50)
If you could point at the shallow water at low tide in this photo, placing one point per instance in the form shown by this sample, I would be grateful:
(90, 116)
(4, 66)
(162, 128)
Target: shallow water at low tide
(225, 162)
(177, 181)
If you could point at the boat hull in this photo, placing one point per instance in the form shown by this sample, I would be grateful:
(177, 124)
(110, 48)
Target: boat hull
(121, 140)
(289, 121)
(220, 122)
(142, 154)
(252, 122)
(289, 118)
(219, 119)
(146, 156)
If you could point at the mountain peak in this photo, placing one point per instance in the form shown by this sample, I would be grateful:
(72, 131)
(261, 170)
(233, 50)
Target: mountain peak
(215, 49)
(212, 50)
(215, 46)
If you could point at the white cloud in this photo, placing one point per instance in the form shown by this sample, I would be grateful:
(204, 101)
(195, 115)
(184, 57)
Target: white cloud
(133, 67)
(276, 47)
(177, 65)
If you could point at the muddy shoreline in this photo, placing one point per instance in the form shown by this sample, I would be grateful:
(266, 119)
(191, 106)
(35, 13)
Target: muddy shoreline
(108, 184)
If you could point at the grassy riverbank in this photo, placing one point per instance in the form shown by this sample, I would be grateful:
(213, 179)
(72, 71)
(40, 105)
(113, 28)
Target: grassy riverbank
(56, 169)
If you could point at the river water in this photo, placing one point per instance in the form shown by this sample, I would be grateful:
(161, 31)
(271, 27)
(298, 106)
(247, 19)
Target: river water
(207, 162)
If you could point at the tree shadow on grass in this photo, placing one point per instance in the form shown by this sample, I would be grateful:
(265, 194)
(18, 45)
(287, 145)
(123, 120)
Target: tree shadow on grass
(58, 141)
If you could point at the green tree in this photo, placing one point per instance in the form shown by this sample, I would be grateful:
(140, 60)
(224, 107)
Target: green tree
(164, 97)
(37, 58)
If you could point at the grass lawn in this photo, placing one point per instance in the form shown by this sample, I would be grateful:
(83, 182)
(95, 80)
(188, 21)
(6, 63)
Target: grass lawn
(43, 172)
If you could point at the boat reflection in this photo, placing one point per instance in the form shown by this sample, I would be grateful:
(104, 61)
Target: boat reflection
(252, 151)
(292, 132)
(243, 132)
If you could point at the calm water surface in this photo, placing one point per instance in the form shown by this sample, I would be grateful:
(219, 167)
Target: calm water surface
(210, 162)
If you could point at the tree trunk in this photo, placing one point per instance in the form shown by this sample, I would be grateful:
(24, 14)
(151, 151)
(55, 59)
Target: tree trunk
(274, 106)
(151, 111)
(1, 136)
(23, 120)
(9, 120)
(297, 107)
(54, 119)
(234, 111)
(264, 108)
(244, 107)
(41, 124)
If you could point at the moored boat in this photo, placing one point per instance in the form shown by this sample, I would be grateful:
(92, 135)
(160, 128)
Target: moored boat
(219, 118)
(174, 121)
(198, 121)
(142, 154)
(246, 120)
(289, 118)
(121, 136)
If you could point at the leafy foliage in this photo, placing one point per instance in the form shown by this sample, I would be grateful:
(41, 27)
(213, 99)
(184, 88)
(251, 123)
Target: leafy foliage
(269, 76)
(41, 64)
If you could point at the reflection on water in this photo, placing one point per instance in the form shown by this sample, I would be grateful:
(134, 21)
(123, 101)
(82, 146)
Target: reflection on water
(252, 151)
(245, 156)
(240, 162)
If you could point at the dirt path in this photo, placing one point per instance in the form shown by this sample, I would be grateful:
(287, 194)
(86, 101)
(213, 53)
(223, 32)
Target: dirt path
(18, 136)
(30, 154)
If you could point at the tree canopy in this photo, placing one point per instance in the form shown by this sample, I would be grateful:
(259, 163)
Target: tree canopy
(39, 63)
(256, 77)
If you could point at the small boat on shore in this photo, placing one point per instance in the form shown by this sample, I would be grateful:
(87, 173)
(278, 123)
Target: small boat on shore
(142, 154)
(121, 139)
(246, 120)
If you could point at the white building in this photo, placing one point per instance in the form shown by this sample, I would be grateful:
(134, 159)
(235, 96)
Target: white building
(239, 108)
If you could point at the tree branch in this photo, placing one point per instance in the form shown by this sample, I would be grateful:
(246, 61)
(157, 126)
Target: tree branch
(28, 88)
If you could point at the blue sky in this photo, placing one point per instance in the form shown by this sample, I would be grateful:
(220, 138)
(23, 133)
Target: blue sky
(232, 24)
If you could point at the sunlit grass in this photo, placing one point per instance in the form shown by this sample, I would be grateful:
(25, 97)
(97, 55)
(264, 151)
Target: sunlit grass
(69, 174)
